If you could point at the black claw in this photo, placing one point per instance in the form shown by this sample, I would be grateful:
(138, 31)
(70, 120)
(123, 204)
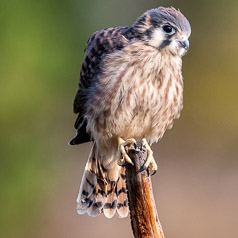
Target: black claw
(135, 145)
(126, 163)
(153, 172)
(142, 169)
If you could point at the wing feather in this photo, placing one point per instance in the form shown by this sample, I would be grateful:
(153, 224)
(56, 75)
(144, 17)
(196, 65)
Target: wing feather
(98, 46)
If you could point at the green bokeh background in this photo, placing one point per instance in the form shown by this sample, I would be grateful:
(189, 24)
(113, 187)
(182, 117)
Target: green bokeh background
(41, 45)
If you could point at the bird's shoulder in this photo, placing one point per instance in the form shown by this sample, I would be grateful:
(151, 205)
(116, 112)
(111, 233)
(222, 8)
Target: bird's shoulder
(108, 40)
(100, 44)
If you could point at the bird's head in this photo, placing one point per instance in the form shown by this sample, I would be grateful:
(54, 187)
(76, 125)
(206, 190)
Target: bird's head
(165, 29)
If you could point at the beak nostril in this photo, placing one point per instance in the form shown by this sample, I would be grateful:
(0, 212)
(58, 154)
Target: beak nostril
(184, 44)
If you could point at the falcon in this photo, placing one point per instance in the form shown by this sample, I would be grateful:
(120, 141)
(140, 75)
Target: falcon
(130, 90)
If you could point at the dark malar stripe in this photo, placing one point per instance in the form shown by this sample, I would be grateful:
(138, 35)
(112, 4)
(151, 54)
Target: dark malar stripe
(164, 44)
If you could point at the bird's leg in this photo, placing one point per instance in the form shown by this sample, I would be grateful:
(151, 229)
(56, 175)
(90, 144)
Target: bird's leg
(122, 151)
(150, 158)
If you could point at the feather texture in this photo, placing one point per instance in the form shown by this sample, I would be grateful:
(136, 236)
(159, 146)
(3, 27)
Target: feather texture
(131, 86)
(98, 194)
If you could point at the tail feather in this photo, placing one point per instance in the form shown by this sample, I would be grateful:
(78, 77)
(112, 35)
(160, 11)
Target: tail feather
(110, 206)
(122, 201)
(98, 194)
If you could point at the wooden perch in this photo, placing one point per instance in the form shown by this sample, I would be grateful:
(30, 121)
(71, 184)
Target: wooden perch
(144, 218)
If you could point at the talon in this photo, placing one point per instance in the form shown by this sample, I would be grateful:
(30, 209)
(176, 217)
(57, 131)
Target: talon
(122, 151)
(135, 145)
(142, 169)
(124, 164)
(153, 172)
(121, 162)
(150, 158)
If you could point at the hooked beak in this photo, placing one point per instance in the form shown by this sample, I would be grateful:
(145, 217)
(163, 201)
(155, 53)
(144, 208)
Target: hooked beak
(184, 44)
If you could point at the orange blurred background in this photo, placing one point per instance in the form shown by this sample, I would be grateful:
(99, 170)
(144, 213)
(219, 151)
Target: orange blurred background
(196, 186)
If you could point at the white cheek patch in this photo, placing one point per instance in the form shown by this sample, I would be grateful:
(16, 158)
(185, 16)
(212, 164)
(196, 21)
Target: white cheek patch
(173, 46)
(157, 38)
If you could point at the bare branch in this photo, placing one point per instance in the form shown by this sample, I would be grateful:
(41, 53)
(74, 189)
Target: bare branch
(144, 218)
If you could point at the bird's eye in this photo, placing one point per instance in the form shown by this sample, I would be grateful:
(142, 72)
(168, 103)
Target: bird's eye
(169, 29)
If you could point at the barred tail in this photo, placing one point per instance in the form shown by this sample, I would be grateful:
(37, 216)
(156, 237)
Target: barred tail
(97, 194)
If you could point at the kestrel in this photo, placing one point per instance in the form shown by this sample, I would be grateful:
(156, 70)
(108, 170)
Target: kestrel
(130, 89)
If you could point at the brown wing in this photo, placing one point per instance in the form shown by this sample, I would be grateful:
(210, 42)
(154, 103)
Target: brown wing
(99, 44)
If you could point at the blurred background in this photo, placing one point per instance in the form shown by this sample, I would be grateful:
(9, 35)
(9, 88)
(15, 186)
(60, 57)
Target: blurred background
(41, 44)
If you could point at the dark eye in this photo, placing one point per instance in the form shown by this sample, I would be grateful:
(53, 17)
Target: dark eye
(168, 29)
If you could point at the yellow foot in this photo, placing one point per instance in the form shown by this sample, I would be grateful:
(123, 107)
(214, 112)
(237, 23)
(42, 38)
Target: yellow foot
(150, 158)
(122, 151)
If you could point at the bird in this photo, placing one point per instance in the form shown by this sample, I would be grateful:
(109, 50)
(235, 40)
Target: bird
(130, 90)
